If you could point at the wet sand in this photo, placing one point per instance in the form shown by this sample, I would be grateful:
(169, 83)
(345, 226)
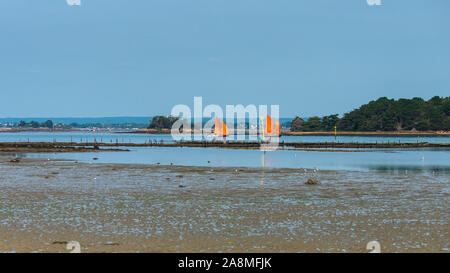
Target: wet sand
(149, 208)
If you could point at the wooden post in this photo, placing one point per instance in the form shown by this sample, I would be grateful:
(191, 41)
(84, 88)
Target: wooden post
(335, 133)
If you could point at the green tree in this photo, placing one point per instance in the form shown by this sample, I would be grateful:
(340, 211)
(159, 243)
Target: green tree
(48, 124)
(328, 122)
(313, 124)
(34, 124)
(162, 122)
(404, 114)
(297, 124)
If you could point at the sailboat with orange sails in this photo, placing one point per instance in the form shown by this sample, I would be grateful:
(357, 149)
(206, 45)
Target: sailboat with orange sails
(220, 128)
(272, 128)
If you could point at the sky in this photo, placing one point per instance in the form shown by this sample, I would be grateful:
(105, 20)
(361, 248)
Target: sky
(142, 57)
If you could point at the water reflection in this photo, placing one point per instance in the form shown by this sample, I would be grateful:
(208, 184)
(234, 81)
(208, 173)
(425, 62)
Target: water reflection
(263, 167)
(434, 160)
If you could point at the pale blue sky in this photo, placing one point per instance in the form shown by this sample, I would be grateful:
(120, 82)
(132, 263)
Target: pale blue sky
(141, 57)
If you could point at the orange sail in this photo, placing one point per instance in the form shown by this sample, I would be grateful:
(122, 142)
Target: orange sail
(225, 129)
(217, 127)
(269, 126)
(277, 128)
(220, 128)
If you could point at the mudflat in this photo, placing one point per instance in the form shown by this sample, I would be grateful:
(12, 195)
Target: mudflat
(49, 147)
(148, 208)
(60, 147)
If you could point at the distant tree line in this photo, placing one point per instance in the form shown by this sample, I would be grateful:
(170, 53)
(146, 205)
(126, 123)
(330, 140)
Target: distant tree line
(109, 125)
(35, 124)
(51, 125)
(385, 115)
(162, 122)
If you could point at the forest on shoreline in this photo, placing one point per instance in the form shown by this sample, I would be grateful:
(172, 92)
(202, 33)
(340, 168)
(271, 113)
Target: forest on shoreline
(384, 114)
(381, 115)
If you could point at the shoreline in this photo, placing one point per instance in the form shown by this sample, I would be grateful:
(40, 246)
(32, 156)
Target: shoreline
(360, 134)
(48, 147)
(168, 132)
(61, 147)
(370, 134)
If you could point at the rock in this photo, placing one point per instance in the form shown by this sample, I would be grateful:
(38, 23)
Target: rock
(312, 181)
(15, 160)
(60, 243)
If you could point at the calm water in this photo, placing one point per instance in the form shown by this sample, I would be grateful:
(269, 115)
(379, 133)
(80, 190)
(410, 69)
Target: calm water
(398, 196)
(142, 138)
(382, 160)
(396, 160)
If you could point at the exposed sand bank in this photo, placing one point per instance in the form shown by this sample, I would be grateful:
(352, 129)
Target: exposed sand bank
(34, 147)
(49, 147)
(147, 208)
